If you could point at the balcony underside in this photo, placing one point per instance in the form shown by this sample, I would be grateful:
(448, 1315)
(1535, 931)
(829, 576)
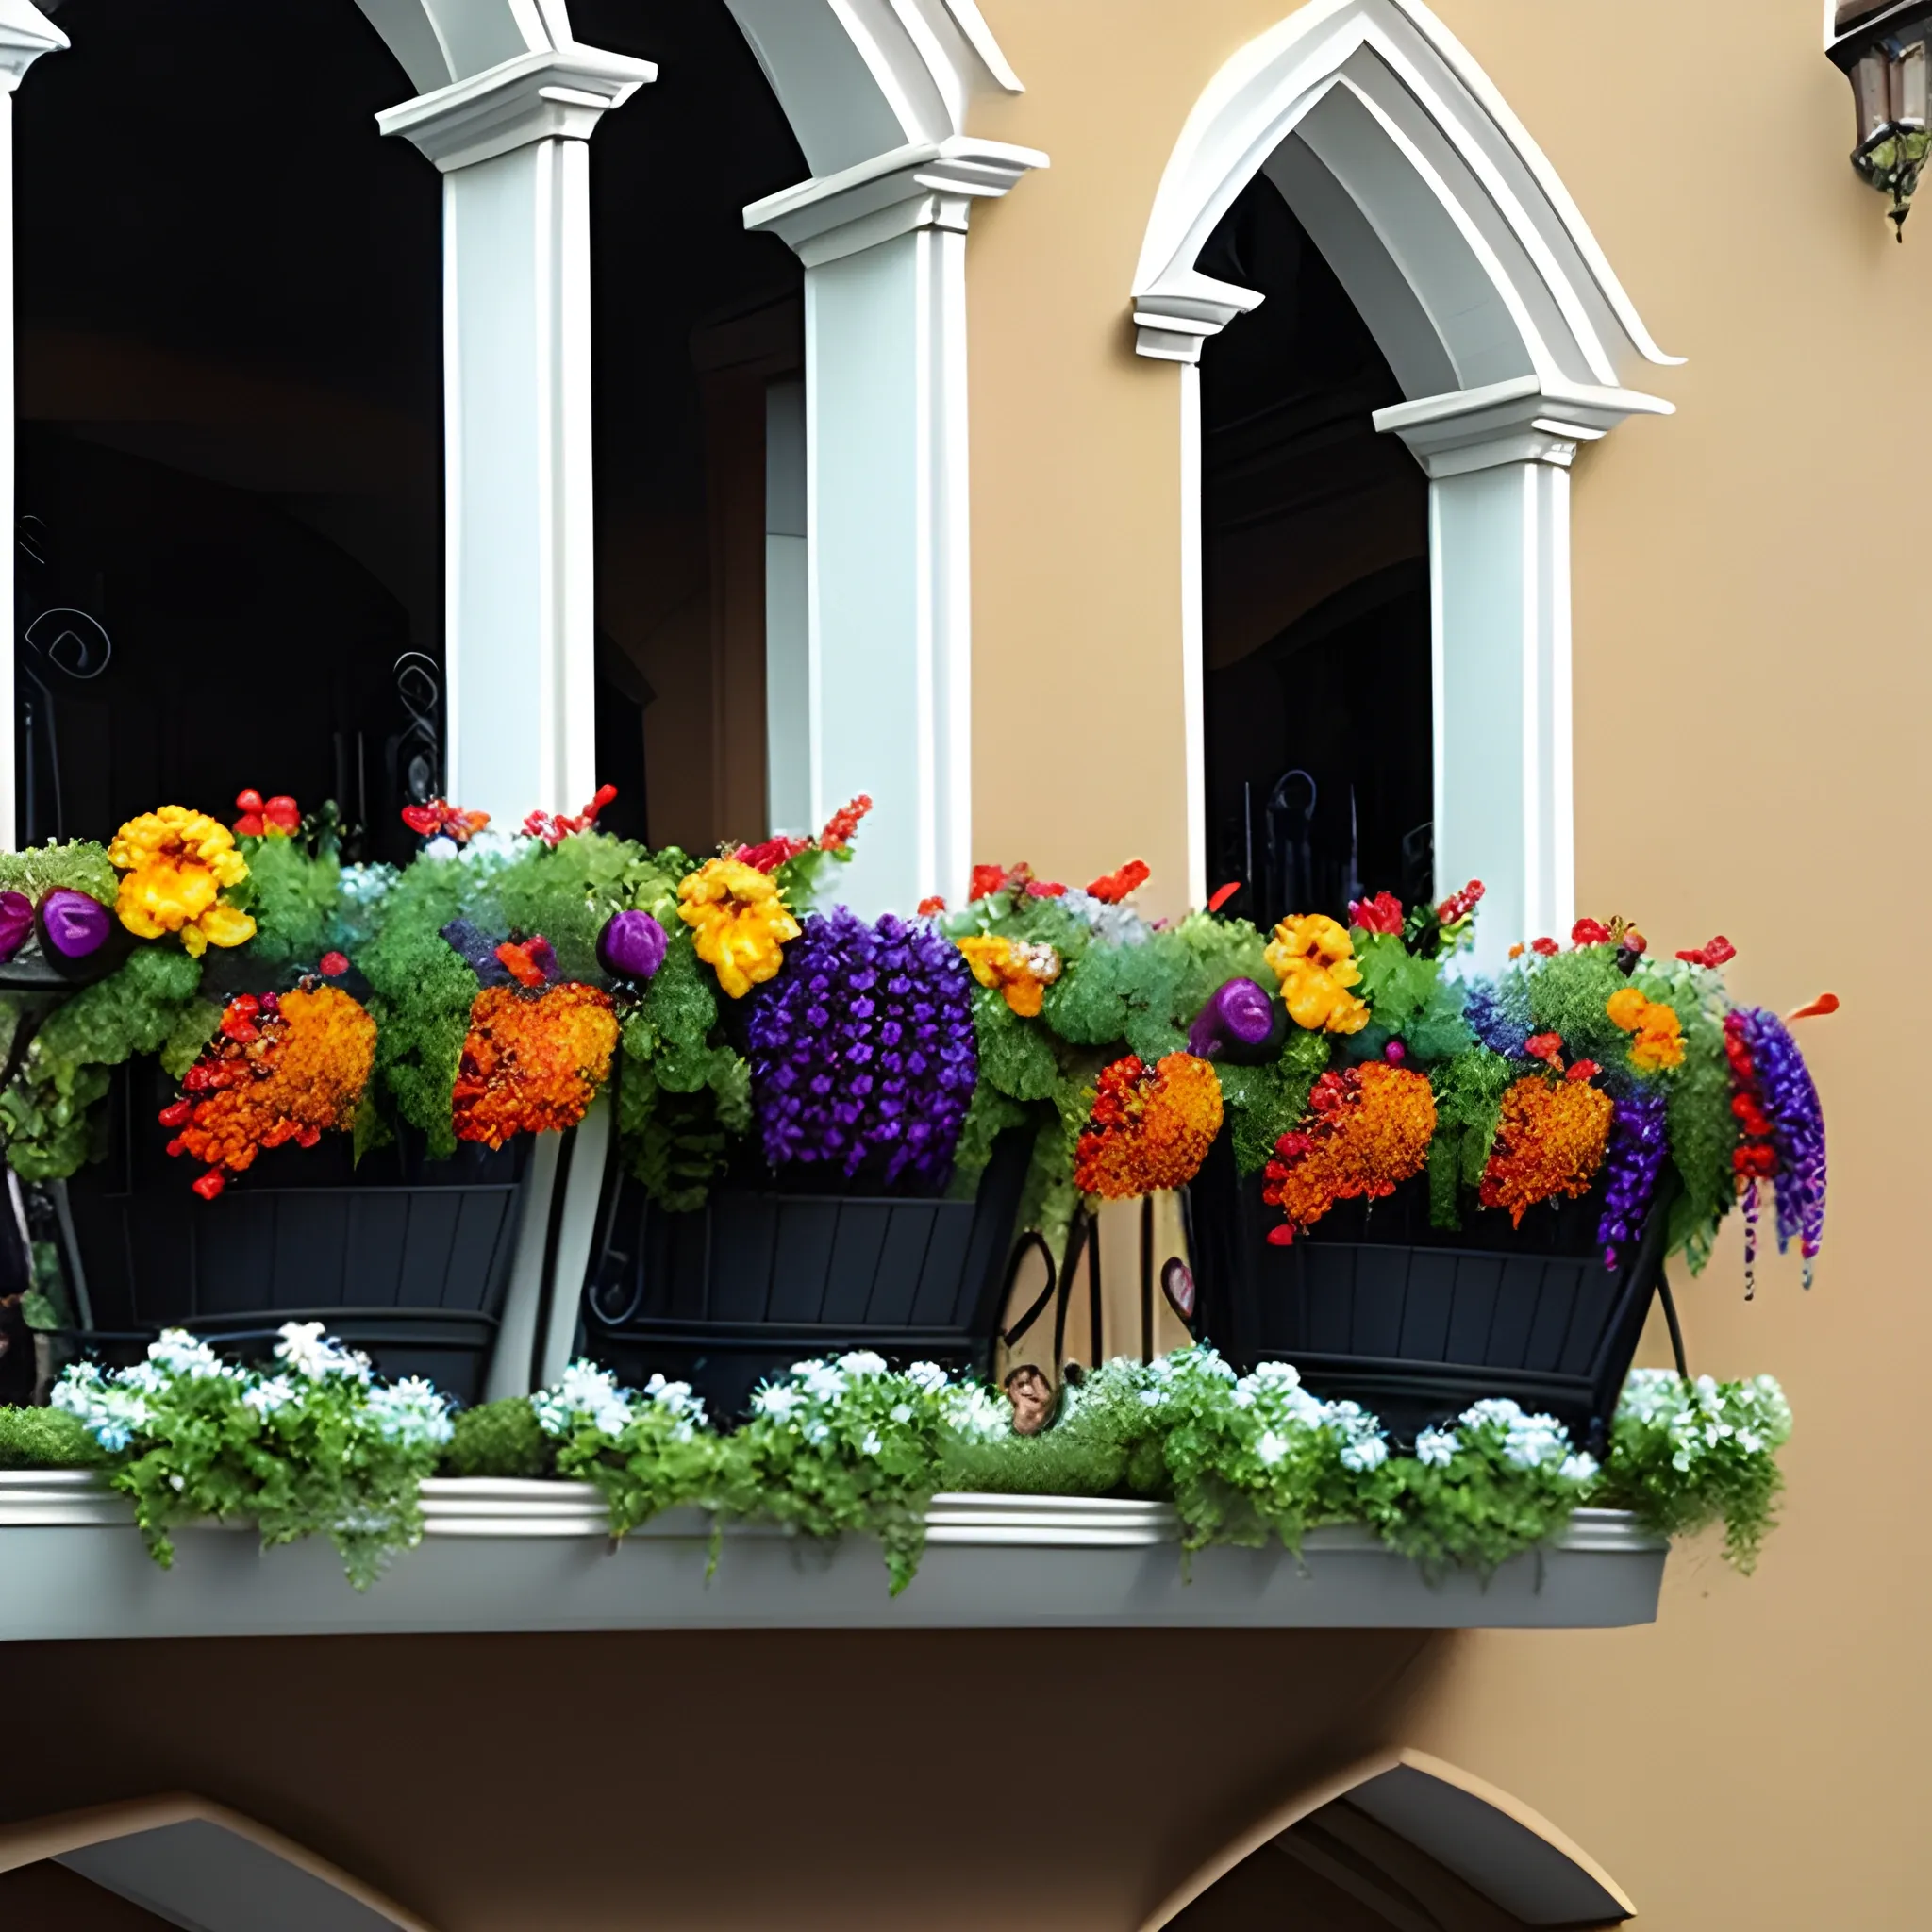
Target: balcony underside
(503, 1556)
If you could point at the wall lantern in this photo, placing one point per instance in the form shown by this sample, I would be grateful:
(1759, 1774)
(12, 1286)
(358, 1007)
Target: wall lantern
(1882, 47)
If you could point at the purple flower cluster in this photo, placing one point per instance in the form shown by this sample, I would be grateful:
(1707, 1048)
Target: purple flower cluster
(1633, 1162)
(861, 1051)
(1499, 1016)
(1797, 1131)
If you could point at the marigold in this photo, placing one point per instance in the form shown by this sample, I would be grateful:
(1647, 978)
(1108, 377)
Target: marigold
(1659, 1040)
(1314, 958)
(1366, 1130)
(281, 1069)
(741, 923)
(1012, 968)
(1150, 1129)
(1550, 1141)
(177, 863)
(533, 1061)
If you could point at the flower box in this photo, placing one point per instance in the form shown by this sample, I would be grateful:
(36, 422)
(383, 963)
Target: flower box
(761, 1276)
(1418, 1324)
(404, 1258)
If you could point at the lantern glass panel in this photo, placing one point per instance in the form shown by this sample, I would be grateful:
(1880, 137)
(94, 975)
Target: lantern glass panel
(1871, 89)
(1908, 87)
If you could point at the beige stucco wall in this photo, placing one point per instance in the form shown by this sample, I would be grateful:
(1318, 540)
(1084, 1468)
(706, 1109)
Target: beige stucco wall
(1751, 688)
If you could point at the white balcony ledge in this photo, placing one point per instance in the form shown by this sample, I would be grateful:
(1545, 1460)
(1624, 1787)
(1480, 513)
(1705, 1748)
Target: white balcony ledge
(536, 1555)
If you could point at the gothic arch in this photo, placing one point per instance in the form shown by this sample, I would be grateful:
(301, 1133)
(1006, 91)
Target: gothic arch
(1511, 338)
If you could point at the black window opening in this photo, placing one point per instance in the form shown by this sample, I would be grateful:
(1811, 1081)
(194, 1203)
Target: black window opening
(229, 550)
(697, 324)
(1315, 587)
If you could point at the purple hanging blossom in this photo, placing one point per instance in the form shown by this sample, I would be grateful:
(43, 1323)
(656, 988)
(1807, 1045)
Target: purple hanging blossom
(1636, 1157)
(861, 1051)
(1797, 1131)
(1498, 1015)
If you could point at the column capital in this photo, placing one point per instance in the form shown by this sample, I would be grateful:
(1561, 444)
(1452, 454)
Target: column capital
(1527, 420)
(26, 34)
(926, 185)
(562, 92)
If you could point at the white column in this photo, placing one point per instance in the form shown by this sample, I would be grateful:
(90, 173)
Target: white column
(787, 621)
(26, 34)
(1498, 461)
(889, 695)
(520, 641)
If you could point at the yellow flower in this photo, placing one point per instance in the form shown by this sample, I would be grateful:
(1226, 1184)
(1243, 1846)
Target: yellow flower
(741, 923)
(1019, 971)
(175, 863)
(1314, 958)
(1659, 1033)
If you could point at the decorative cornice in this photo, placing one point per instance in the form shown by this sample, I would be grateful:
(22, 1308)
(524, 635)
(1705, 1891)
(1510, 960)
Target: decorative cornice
(1527, 420)
(26, 34)
(561, 93)
(927, 185)
(1172, 324)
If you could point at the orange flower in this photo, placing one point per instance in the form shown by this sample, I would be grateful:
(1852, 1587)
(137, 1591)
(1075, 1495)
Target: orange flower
(533, 1061)
(1366, 1130)
(1020, 972)
(1151, 1128)
(1659, 1035)
(279, 1071)
(1550, 1142)
(1314, 958)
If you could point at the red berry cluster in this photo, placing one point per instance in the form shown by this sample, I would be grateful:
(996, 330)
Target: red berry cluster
(1755, 1159)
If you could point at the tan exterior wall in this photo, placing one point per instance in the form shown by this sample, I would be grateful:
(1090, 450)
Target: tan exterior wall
(1751, 688)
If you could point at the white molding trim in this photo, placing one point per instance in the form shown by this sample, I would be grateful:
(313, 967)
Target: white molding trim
(501, 1555)
(556, 94)
(26, 34)
(1512, 340)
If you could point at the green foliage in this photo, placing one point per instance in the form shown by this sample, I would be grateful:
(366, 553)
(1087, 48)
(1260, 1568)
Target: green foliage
(1568, 994)
(79, 866)
(990, 1114)
(1016, 1055)
(501, 1439)
(46, 1438)
(311, 1450)
(1469, 1104)
(804, 882)
(1702, 1129)
(295, 896)
(1409, 999)
(1265, 1103)
(567, 892)
(195, 1024)
(46, 1107)
(1686, 1455)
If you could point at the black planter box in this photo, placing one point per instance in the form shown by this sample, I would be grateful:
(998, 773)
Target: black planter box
(762, 1277)
(404, 1258)
(1417, 1323)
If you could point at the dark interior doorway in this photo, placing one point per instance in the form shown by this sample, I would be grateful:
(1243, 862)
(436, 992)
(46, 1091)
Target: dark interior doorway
(231, 402)
(1315, 591)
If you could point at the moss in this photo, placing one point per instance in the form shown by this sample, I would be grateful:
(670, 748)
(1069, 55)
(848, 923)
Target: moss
(46, 1438)
(499, 1439)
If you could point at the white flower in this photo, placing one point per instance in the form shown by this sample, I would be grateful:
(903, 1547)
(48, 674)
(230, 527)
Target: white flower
(927, 1376)
(1578, 1469)
(310, 1353)
(822, 1381)
(1275, 1375)
(862, 1361)
(1242, 1398)
(1369, 1452)
(265, 1398)
(442, 848)
(776, 1400)
(412, 1413)
(584, 1393)
(180, 1354)
(1270, 1448)
(870, 1446)
(902, 1412)
(1436, 1448)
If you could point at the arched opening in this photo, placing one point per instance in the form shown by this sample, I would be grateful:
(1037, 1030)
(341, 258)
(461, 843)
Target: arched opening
(1315, 600)
(1405, 1844)
(231, 410)
(1495, 314)
(176, 1861)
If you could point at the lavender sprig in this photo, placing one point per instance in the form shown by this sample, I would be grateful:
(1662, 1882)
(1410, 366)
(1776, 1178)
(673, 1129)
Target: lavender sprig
(1638, 1143)
(1499, 1015)
(1797, 1131)
(861, 1051)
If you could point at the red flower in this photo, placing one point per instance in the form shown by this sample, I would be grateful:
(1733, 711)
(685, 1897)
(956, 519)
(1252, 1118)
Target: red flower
(1458, 906)
(1224, 894)
(1112, 886)
(440, 818)
(333, 965)
(987, 880)
(1547, 1047)
(1583, 1070)
(210, 1184)
(842, 824)
(1813, 1009)
(1590, 932)
(772, 854)
(928, 908)
(1711, 953)
(1044, 889)
(554, 830)
(279, 814)
(1548, 948)
(1383, 913)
